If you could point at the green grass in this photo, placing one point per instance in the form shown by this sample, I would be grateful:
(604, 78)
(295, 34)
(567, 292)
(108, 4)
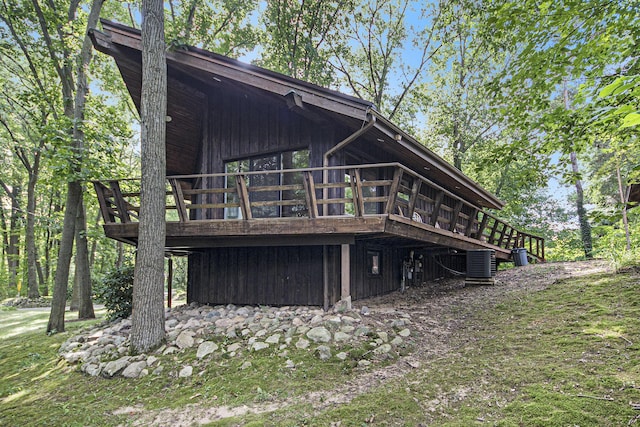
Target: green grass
(564, 356)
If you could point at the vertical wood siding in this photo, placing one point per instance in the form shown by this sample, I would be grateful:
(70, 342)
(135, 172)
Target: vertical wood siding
(281, 275)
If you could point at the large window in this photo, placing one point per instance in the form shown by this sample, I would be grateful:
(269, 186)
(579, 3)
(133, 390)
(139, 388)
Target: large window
(286, 160)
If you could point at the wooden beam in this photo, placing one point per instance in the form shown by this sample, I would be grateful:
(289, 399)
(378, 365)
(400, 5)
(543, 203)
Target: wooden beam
(406, 228)
(436, 208)
(345, 273)
(507, 243)
(393, 191)
(310, 194)
(358, 195)
(119, 201)
(493, 230)
(105, 210)
(483, 224)
(455, 215)
(472, 220)
(183, 214)
(169, 281)
(415, 190)
(243, 197)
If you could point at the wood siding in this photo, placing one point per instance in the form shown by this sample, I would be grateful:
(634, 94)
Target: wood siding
(282, 275)
(293, 275)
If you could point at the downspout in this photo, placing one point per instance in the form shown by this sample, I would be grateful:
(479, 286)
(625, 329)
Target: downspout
(370, 122)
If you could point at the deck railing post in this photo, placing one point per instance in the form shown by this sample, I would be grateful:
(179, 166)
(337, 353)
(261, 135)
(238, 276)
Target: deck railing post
(415, 190)
(507, 243)
(455, 216)
(243, 196)
(310, 194)
(493, 230)
(436, 208)
(393, 191)
(121, 204)
(471, 221)
(178, 197)
(358, 195)
(105, 210)
(483, 225)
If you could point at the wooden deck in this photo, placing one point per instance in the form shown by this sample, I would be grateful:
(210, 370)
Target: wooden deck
(313, 206)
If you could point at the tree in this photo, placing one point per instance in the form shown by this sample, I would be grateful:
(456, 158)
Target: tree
(147, 320)
(458, 108)
(381, 57)
(74, 108)
(550, 46)
(298, 36)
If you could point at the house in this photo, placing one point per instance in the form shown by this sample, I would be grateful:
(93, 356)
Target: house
(282, 192)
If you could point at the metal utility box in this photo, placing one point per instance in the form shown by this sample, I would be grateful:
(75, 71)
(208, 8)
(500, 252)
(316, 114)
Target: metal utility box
(481, 263)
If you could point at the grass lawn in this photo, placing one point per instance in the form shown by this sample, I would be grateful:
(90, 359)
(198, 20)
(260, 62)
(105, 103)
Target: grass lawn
(564, 356)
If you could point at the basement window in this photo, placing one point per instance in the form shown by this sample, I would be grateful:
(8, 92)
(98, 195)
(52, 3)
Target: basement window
(373, 262)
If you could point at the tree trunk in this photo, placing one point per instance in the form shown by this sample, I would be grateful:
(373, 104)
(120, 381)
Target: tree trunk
(59, 301)
(147, 328)
(30, 237)
(75, 111)
(75, 302)
(83, 274)
(13, 250)
(585, 227)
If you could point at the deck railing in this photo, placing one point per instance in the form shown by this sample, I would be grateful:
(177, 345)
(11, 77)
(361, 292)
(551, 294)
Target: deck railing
(362, 190)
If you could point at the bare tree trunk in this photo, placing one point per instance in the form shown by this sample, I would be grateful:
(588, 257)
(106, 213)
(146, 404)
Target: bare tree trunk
(13, 250)
(59, 301)
(147, 326)
(30, 237)
(75, 302)
(585, 227)
(83, 274)
(74, 189)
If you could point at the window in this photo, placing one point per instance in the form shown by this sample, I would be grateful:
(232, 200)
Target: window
(373, 262)
(297, 159)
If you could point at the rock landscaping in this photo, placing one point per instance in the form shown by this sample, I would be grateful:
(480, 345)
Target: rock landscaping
(24, 302)
(206, 333)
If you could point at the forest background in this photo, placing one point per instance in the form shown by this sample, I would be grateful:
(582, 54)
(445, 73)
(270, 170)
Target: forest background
(517, 95)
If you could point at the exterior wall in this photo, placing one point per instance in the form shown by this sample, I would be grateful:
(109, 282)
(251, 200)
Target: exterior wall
(281, 275)
(293, 275)
(244, 126)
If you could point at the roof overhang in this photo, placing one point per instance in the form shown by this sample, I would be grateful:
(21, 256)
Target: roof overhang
(124, 44)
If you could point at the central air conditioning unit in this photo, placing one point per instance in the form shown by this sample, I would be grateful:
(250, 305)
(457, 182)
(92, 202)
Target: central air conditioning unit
(481, 266)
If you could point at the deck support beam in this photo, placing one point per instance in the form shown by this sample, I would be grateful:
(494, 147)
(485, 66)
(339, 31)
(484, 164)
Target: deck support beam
(345, 276)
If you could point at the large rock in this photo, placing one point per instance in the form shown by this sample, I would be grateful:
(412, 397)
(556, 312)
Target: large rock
(206, 348)
(91, 369)
(324, 352)
(115, 366)
(383, 349)
(134, 370)
(186, 372)
(341, 336)
(302, 344)
(185, 340)
(259, 345)
(319, 334)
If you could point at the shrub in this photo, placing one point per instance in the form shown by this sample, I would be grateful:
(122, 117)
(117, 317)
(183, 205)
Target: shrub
(115, 291)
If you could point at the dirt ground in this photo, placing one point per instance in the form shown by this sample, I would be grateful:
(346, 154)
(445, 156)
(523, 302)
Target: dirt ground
(436, 312)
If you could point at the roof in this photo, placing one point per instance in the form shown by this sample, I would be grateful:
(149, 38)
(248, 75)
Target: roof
(124, 44)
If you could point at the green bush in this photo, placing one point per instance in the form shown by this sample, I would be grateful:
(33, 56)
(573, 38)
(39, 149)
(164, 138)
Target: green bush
(115, 291)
